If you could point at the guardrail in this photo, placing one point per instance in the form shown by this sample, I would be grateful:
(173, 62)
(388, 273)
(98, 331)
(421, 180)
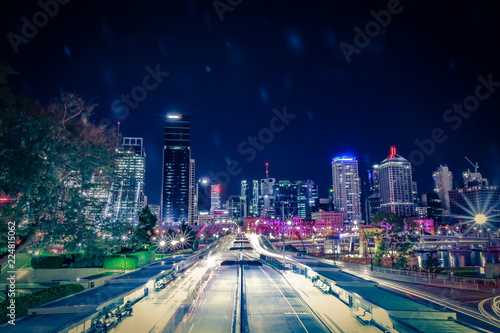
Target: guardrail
(422, 277)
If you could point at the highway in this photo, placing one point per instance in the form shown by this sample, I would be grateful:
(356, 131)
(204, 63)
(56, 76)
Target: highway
(207, 298)
(273, 306)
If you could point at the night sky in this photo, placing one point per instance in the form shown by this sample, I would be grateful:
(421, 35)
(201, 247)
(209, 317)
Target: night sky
(230, 74)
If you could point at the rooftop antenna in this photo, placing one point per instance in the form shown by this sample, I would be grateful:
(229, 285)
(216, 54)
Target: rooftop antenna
(476, 166)
(267, 170)
(118, 132)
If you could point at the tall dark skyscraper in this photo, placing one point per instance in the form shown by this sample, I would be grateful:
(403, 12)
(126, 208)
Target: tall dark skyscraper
(176, 157)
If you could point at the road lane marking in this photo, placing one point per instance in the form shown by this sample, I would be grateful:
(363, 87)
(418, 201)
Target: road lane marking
(295, 313)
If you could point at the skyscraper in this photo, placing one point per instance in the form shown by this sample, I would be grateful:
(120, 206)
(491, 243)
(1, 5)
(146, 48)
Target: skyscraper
(255, 211)
(234, 206)
(245, 199)
(267, 197)
(127, 190)
(296, 198)
(193, 197)
(214, 198)
(372, 203)
(176, 159)
(396, 185)
(443, 184)
(347, 188)
(373, 182)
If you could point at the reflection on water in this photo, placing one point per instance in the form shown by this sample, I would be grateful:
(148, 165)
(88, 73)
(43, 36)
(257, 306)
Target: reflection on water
(461, 259)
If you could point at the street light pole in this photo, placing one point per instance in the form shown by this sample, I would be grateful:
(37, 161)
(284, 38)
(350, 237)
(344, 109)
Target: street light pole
(283, 223)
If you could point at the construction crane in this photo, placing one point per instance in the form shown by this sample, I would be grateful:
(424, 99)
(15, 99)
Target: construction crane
(476, 166)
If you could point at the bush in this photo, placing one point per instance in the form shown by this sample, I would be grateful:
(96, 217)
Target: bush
(143, 257)
(187, 251)
(23, 303)
(47, 262)
(133, 261)
(119, 262)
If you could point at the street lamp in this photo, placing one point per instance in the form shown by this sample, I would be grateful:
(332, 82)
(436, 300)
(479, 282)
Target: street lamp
(289, 223)
(480, 218)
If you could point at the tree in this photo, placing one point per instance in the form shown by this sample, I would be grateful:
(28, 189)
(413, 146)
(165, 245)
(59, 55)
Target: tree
(49, 158)
(395, 238)
(431, 264)
(145, 228)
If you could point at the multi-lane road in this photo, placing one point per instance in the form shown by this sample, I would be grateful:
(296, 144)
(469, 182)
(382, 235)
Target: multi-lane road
(210, 297)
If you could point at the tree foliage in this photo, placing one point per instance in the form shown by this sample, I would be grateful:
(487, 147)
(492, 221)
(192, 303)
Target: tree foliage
(49, 158)
(145, 228)
(395, 239)
(431, 264)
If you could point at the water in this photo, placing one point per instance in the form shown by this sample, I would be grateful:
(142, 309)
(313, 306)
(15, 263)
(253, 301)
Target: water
(461, 259)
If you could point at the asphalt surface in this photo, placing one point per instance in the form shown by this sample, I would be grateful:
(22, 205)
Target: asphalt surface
(273, 306)
(214, 311)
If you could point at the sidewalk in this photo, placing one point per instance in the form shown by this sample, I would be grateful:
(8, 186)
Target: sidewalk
(335, 313)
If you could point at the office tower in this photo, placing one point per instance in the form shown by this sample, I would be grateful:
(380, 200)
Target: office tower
(296, 199)
(245, 199)
(193, 197)
(347, 188)
(372, 203)
(267, 197)
(434, 206)
(214, 198)
(234, 206)
(255, 199)
(372, 206)
(307, 196)
(285, 199)
(176, 159)
(443, 184)
(395, 178)
(127, 190)
(373, 181)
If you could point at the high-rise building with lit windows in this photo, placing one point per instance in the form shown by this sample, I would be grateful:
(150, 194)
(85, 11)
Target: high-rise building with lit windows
(294, 198)
(214, 198)
(176, 165)
(245, 198)
(346, 188)
(126, 196)
(193, 197)
(443, 184)
(395, 180)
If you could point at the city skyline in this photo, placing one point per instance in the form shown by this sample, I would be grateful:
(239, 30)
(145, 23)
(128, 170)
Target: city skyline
(234, 76)
(249, 166)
